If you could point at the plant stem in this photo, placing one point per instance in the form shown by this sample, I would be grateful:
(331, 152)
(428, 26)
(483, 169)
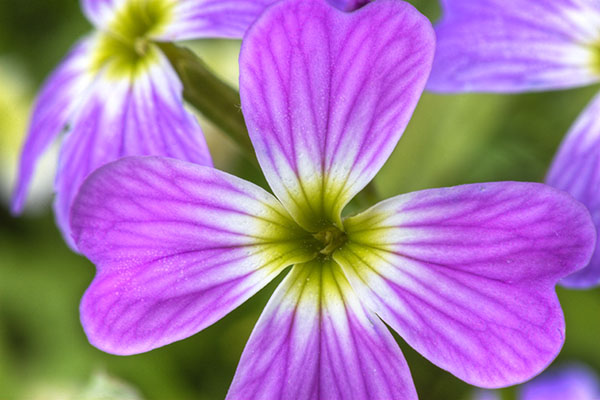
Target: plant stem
(216, 100)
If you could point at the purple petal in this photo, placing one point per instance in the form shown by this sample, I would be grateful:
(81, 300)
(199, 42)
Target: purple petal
(576, 169)
(517, 45)
(101, 12)
(466, 275)
(54, 105)
(315, 340)
(177, 246)
(193, 19)
(327, 94)
(123, 117)
(573, 382)
(348, 5)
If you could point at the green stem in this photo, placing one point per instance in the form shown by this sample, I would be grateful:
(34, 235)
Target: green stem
(216, 100)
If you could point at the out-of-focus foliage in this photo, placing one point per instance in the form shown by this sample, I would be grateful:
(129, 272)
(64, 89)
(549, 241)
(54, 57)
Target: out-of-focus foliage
(15, 100)
(16, 96)
(43, 351)
(100, 386)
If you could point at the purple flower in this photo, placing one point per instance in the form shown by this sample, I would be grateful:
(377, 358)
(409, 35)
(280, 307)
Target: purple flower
(484, 394)
(522, 45)
(348, 5)
(465, 275)
(570, 382)
(116, 93)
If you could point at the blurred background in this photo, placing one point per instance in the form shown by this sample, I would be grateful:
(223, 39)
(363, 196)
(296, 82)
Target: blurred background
(44, 353)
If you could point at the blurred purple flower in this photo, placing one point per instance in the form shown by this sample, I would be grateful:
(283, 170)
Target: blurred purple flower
(484, 394)
(520, 46)
(465, 275)
(570, 382)
(116, 93)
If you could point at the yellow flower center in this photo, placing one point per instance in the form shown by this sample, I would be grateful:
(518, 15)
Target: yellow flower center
(329, 240)
(141, 18)
(126, 46)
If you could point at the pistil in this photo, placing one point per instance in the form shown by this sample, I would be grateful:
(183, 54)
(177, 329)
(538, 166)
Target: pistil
(141, 46)
(331, 239)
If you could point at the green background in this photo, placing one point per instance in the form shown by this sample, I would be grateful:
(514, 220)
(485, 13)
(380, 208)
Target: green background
(44, 353)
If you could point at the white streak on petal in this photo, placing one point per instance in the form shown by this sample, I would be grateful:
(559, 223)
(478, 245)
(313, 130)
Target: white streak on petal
(315, 340)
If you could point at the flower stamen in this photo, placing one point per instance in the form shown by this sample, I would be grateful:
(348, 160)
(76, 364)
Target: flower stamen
(141, 46)
(331, 238)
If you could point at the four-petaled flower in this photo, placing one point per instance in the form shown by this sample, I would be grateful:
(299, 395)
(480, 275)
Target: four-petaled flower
(465, 275)
(520, 46)
(117, 94)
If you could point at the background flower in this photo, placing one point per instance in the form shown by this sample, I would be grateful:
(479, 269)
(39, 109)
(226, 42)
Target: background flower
(561, 382)
(564, 382)
(116, 94)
